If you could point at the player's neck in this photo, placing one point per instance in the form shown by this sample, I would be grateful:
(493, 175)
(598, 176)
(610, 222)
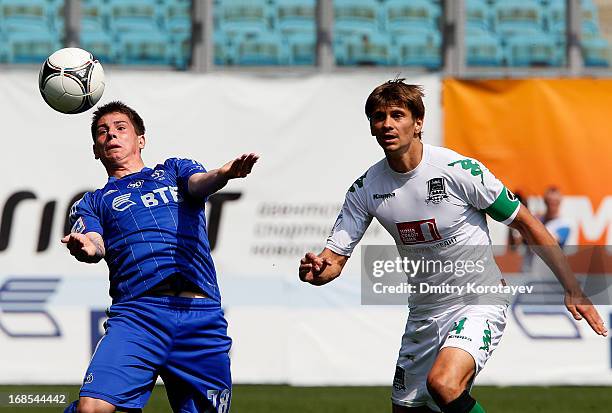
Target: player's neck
(120, 170)
(406, 160)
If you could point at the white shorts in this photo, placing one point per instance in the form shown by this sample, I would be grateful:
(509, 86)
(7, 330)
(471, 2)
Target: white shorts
(476, 329)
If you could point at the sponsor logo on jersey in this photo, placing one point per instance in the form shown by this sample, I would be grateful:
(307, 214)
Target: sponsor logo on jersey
(358, 183)
(486, 338)
(158, 174)
(122, 202)
(384, 196)
(470, 165)
(436, 191)
(136, 184)
(418, 232)
(89, 378)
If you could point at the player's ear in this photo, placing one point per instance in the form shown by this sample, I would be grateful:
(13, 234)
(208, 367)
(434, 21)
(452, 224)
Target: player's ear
(418, 126)
(141, 141)
(95, 151)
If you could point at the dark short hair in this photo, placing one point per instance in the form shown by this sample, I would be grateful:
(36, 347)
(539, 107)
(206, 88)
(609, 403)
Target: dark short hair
(397, 93)
(117, 107)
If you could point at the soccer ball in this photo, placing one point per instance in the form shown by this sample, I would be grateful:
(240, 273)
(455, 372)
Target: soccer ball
(71, 80)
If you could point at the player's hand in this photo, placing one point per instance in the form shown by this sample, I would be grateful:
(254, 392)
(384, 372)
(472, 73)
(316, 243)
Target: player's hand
(80, 246)
(311, 267)
(239, 167)
(580, 306)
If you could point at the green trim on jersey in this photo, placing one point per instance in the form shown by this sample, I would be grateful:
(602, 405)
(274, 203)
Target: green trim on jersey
(504, 206)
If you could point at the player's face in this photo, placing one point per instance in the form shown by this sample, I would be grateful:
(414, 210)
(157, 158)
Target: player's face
(394, 128)
(116, 139)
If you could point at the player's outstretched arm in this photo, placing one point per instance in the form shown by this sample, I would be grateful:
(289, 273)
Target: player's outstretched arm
(85, 247)
(207, 183)
(576, 301)
(323, 268)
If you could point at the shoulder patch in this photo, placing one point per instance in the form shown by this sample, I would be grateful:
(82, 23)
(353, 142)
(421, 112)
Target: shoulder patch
(470, 165)
(358, 183)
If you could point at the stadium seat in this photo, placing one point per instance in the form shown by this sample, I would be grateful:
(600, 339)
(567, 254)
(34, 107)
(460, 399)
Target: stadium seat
(25, 16)
(414, 49)
(301, 47)
(144, 48)
(478, 15)
(265, 49)
(136, 16)
(355, 17)
(483, 48)
(295, 16)
(94, 16)
(223, 49)
(532, 49)
(31, 47)
(518, 17)
(596, 52)
(241, 17)
(401, 15)
(177, 16)
(99, 43)
(364, 50)
(181, 50)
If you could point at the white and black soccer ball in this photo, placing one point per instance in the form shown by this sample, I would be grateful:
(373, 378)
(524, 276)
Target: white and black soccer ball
(71, 80)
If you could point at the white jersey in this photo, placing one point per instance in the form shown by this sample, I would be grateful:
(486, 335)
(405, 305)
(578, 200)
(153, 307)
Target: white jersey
(437, 209)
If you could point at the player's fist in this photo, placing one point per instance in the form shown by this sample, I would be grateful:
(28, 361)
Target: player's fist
(239, 167)
(80, 246)
(311, 267)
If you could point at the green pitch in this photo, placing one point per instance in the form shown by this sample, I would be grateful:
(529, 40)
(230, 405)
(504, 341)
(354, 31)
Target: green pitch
(273, 399)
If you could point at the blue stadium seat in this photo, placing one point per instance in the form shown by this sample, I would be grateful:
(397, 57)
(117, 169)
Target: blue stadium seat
(144, 48)
(95, 15)
(99, 43)
(181, 50)
(136, 16)
(518, 17)
(224, 52)
(401, 15)
(177, 16)
(478, 15)
(265, 49)
(532, 49)
(301, 47)
(31, 47)
(483, 48)
(239, 17)
(355, 17)
(25, 16)
(596, 52)
(414, 49)
(364, 50)
(295, 15)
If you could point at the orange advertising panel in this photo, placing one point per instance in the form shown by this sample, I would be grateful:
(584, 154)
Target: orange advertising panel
(535, 133)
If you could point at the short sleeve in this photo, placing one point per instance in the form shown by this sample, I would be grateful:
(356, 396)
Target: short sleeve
(184, 168)
(484, 191)
(351, 224)
(83, 218)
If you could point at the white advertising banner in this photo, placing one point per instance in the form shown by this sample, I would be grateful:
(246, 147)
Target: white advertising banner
(314, 141)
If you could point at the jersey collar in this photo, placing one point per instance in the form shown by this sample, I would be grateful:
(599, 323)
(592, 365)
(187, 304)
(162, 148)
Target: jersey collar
(143, 170)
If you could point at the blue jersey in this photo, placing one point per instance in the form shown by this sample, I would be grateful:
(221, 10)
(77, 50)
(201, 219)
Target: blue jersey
(152, 228)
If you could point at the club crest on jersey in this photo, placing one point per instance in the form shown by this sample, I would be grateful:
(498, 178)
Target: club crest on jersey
(136, 184)
(436, 191)
(158, 174)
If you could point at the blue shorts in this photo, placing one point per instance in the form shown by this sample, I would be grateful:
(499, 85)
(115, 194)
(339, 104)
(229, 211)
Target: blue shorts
(183, 340)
